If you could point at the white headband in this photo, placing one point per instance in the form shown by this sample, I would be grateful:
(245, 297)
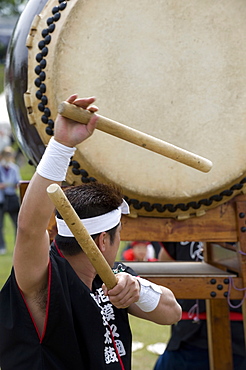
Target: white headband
(97, 224)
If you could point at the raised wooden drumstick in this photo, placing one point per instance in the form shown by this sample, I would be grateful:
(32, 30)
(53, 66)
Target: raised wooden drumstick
(136, 137)
(80, 233)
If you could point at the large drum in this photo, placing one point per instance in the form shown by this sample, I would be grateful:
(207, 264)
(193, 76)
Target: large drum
(173, 69)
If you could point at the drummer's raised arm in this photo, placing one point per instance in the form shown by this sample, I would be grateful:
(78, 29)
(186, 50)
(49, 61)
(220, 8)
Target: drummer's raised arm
(31, 254)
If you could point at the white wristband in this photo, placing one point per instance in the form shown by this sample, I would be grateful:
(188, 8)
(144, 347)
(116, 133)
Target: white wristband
(150, 295)
(55, 161)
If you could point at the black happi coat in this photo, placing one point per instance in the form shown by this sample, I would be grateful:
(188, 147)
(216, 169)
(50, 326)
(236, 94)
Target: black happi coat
(83, 330)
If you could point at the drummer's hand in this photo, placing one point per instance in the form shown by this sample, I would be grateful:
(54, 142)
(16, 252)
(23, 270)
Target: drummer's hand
(71, 133)
(125, 292)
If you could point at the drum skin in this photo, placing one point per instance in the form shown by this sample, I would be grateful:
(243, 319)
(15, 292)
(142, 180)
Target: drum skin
(172, 69)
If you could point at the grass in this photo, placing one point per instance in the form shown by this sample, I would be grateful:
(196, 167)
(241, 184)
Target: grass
(143, 331)
(148, 333)
(6, 259)
(9, 233)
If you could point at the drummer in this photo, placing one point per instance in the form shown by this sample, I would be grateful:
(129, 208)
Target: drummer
(55, 312)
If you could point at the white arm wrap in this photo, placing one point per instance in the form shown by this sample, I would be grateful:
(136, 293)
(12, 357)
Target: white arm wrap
(150, 295)
(55, 161)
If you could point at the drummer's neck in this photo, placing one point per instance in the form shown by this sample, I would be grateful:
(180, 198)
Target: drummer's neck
(83, 268)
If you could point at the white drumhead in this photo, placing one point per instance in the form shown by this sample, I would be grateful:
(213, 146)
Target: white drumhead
(172, 69)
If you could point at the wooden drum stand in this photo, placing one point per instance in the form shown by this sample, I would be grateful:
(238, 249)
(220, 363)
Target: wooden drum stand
(209, 280)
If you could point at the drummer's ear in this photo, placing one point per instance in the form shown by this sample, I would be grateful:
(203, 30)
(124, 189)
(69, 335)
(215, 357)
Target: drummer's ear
(101, 241)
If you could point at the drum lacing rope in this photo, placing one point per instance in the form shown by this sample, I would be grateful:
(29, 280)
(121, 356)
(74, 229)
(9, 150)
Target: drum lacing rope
(193, 312)
(232, 285)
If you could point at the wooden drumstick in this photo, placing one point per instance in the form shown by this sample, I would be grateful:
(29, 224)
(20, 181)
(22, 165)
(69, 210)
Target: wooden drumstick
(136, 137)
(80, 233)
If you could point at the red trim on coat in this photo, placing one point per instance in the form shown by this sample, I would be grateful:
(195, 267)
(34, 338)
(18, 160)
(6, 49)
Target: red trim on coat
(58, 250)
(116, 349)
(30, 313)
(47, 303)
(40, 336)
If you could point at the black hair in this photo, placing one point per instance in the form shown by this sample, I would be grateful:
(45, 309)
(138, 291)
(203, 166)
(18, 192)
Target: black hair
(89, 200)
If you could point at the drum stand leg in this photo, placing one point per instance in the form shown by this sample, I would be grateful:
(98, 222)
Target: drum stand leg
(219, 334)
(244, 320)
(218, 322)
(241, 226)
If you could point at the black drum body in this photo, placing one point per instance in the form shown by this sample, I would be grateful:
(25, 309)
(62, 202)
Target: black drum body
(16, 84)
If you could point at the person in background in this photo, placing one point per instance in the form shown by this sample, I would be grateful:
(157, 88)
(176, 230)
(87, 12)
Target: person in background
(187, 348)
(9, 200)
(139, 250)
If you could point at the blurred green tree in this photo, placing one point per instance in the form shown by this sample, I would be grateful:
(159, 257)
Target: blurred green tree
(12, 7)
